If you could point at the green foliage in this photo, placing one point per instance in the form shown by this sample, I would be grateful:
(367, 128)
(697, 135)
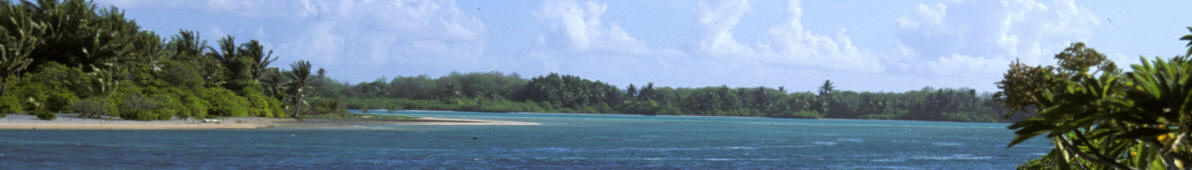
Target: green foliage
(181, 74)
(260, 59)
(225, 103)
(138, 107)
(82, 35)
(72, 49)
(193, 104)
(1109, 120)
(299, 86)
(44, 114)
(1077, 58)
(10, 104)
(263, 106)
(325, 105)
(58, 101)
(1188, 37)
(18, 38)
(94, 107)
(54, 85)
(567, 94)
(569, 91)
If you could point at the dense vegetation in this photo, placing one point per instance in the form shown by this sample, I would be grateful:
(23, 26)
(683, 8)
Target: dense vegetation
(497, 92)
(1098, 117)
(70, 56)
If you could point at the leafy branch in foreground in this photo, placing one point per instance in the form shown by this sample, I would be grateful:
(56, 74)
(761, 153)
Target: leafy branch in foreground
(1104, 119)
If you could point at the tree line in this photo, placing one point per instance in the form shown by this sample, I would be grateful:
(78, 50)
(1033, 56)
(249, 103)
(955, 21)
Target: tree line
(498, 92)
(72, 56)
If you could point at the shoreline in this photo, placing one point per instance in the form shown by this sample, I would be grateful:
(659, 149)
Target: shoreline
(69, 122)
(666, 115)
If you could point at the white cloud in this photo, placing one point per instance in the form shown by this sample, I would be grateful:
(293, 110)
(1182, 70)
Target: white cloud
(347, 32)
(246, 8)
(977, 65)
(978, 38)
(789, 43)
(385, 32)
(584, 30)
(716, 29)
(931, 14)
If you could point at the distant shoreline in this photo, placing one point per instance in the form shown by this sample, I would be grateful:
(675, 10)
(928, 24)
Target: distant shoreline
(666, 115)
(70, 122)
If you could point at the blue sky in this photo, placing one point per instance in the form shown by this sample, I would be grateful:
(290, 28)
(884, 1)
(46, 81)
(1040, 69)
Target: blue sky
(869, 45)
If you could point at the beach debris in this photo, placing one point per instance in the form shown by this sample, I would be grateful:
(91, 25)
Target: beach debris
(210, 120)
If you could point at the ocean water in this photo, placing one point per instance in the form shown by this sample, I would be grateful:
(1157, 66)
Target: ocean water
(563, 141)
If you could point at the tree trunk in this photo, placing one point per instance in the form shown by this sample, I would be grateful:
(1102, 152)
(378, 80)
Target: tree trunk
(3, 85)
(297, 110)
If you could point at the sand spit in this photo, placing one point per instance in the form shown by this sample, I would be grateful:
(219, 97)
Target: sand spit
(70, 122)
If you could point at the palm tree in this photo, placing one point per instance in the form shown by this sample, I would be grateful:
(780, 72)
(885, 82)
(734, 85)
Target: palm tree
(273, 82)
(826, 101)
(17, 43)
(223, 60)
(227, 49)
(261, 59)
(299, 83)
(188, 45)
(1188, 37)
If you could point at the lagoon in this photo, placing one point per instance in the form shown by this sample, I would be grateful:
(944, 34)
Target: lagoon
(562, 141)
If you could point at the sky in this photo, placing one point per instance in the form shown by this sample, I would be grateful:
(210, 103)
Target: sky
(862, 45)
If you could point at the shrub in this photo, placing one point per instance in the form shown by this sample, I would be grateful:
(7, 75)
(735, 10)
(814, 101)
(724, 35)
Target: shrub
(38, 95)
(44, 114)
(326, 105)
(60, 78)
(192, 104)
(93, 107)
(53, 87)
(225, 103)
(9, 104)
(138, 107)
(181, 74)
(58, 100)
(171, 105)
(263, 106)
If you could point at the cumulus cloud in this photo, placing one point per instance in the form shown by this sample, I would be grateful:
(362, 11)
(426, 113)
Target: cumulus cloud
(979, 38)
(388, 31)
(716, 29)
(245, 8)
(342, 33)
(789, 43)
(583, 29)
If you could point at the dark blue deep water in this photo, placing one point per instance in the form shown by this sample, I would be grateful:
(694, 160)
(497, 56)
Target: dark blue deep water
(563, 141)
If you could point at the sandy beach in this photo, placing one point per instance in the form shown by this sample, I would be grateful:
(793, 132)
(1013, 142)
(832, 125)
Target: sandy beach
(70, 122)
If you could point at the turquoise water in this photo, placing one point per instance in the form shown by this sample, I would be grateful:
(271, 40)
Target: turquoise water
(563, 141)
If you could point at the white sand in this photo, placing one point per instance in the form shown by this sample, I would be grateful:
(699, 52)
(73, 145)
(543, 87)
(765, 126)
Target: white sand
(69, 121)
